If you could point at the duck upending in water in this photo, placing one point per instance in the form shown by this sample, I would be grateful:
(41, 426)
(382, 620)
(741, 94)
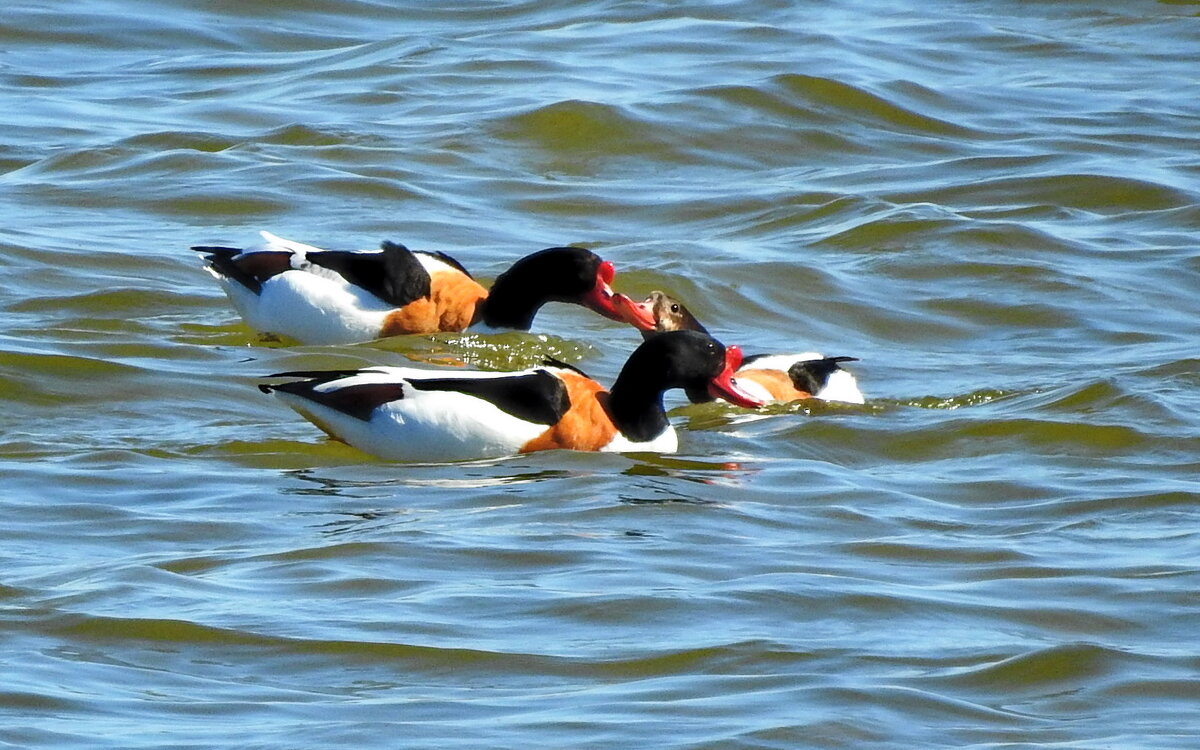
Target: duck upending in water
(320, 296)
(412, 414)
(770, 377)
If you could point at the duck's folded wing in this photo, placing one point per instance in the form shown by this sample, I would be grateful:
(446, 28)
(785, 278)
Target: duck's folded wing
(536, 396)
(394, 275)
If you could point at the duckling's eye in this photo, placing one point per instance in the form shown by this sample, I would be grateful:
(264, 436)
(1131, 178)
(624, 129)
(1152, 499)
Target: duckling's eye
(674, 308)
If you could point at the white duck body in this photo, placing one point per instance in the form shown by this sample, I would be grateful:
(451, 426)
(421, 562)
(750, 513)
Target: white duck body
(423, 425)
(666, 442)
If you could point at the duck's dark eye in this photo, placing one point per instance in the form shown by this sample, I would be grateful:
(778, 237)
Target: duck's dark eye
(675, 308)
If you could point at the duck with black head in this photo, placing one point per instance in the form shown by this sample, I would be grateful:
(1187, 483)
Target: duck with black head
(422, 415)
(317, 296)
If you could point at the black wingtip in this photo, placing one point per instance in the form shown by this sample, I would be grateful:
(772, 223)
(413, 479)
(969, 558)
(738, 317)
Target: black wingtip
(224, 261)
(319, 374)
(216, 249)
(453, 263)
(307, 378)
(812, 375)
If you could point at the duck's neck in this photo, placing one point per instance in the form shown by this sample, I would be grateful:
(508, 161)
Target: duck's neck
(513, 301)
(636, 408)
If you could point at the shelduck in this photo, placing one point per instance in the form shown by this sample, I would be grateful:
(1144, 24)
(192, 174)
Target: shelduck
(411, 414)
(770, 377)
(320, 296)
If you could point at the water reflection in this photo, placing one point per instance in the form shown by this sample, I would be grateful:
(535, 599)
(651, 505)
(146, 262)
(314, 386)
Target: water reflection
(470, 476)
(667, 499)
(726, 473)
(358, 522)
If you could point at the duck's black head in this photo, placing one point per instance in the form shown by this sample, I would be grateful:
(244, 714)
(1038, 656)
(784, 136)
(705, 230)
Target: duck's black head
(690, 360)
(685, 359)
(557, 274)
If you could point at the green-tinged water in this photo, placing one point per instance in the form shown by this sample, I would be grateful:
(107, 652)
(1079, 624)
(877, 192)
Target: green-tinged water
(994, 206)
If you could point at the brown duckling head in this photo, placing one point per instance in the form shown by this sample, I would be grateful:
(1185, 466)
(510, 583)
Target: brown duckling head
(669, 315)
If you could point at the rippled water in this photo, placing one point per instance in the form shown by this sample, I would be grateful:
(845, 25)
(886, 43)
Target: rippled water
(993, 206)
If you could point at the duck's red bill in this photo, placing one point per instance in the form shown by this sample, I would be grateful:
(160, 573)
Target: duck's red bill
(725, 386)
(602, 299)
(640, 315)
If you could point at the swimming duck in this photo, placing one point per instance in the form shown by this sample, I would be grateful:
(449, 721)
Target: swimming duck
(770, 377)
(411, 414)
(320, 296)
